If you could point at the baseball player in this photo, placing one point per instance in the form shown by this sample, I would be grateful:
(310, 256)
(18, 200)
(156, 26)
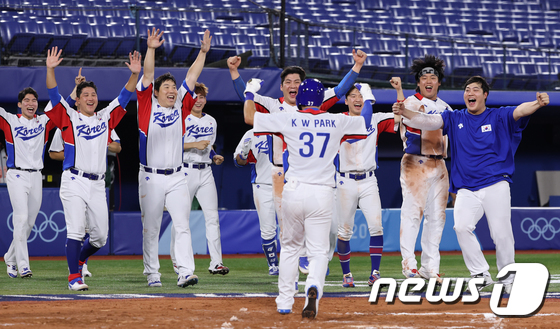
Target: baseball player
(162, 111)
(200, 136)
(82, 189)
(483, 144)
(357, 184)
(291, 78)
(424, 178)
(255, 150)
(312, 138)
(26, 135)
(56, 152)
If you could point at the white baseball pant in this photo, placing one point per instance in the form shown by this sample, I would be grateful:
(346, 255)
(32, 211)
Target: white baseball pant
(156, 192)
(262, 195)
(425, 186)
(307, 215)
(26, 193)
(495, 202)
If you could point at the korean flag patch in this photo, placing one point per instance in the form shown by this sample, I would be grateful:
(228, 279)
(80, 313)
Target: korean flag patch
(486, 128)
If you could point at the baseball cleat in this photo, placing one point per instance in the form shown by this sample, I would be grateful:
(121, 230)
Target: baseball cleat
(12, 271)
(85, 272)
(304, 265)
(487, 281)
(175, 268)
(77, 285)
(427, 275)
(273, 270)
(26, 273)
(411, 274)
(187, 280)
(348, 281)
(154, 283)
(374, 277)
(311, 303)
(284, 311)
(219, 269)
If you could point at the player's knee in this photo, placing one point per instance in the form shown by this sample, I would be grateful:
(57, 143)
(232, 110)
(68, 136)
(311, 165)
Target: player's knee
(98, 242)
(463, 228)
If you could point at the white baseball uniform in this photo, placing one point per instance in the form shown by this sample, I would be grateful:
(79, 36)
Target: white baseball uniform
(162, 182)
(312, 138)
(25, 145)
(201, 182)
(82, 188)
(356, 181)
(425, 184)
(57, 145)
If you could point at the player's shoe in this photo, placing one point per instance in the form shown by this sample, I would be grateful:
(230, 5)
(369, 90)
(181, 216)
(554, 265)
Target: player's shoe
(187, 280)
(348, 281)
(154, 281)
(487, 280)
(311, 303)
(77, 285)
(219, 269)
(304, 265)
(175, 268)
(427, 275)
(12, 271)
(411, 274)
(25, 273)
(273, 270)
(85, 272)
(373, 277)
(284, 311)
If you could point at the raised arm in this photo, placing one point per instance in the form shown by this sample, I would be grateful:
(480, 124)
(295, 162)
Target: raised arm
(238, 83)
(135, 67)
(359, 60)
(79, 79)
(53, 59)
(529, 108)
(418, 120)
(249, 108)
(196, 68)
(397, 84)
(350, 78)
(154, 41)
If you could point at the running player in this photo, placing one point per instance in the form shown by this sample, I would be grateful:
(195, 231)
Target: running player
(483, 144)
(82, 189)
(424, 178)
(162, 111)
(26, 136)
(357, 186)
(313, 138)
(198, 156)
(255, 151)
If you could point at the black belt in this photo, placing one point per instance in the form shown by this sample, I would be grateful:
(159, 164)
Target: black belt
(196, 165)
(357, 176)
(28, 170)
(87, 175)
(166, 172)
(432, 156)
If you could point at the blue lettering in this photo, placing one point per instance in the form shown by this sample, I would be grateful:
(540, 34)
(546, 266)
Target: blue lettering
(26, 134)
(196, 131)
(305, 123)
(166, 120)
(294, 123)
(262, 147)
(88, 132)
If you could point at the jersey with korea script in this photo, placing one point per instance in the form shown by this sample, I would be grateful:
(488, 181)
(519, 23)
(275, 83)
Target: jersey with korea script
(25, 139)
(361, 155)
(423, 142)
(162, 129)
(199, 129)
(57, 145)
(482, 146)
(85, 138)
(258, 157)
(313, 139)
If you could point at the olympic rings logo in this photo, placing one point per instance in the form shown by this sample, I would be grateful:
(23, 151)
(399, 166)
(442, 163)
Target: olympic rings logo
(47, 223)
(540, 228)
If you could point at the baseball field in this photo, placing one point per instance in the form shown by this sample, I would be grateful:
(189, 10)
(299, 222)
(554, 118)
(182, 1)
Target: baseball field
(119, 297)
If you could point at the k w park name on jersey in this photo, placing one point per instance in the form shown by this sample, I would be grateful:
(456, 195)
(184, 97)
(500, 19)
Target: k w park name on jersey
(314, 123)
(197, 131)
(25, 134)
(166, 120)
(89, 132)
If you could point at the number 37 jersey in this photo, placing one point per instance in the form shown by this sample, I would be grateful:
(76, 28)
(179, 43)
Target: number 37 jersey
(312, 138)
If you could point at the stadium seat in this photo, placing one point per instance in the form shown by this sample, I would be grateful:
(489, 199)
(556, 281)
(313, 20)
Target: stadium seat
(97, 36)
(17, 41)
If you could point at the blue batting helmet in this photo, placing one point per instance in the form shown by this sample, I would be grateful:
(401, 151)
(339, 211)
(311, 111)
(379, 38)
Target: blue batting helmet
(311, 93)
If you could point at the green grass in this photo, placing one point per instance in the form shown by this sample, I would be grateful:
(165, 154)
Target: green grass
(248, 275)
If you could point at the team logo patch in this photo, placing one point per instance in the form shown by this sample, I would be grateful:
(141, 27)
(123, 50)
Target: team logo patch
(486, 128)
(460, 126)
